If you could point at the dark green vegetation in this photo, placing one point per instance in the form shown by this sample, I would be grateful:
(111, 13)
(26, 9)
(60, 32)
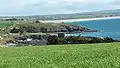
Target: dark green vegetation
(105, 55)
(54, 40)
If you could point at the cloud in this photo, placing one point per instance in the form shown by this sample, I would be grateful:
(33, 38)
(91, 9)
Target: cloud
(38, 7)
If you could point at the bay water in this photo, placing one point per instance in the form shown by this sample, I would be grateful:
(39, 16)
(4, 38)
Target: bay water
(109, 27)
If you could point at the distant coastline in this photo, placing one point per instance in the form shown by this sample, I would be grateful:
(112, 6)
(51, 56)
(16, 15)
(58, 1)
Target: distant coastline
(77, 20)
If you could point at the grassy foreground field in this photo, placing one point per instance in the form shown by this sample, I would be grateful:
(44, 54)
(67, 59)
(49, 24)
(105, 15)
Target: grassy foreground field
(106, 55)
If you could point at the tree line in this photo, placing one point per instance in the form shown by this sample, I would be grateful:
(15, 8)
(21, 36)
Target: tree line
(54, 40)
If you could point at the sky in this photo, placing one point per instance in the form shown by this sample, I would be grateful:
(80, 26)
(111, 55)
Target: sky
(48, 7)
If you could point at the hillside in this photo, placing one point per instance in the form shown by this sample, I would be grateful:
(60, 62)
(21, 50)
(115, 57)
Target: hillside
(105, 55)
(48, 28)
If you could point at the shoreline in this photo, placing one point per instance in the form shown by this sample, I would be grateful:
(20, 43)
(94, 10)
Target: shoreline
(77, 20)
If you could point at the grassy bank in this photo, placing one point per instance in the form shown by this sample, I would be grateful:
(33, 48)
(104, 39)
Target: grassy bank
(106, 55)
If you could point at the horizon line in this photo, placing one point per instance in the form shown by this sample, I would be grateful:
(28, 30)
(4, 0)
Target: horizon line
(58, 13)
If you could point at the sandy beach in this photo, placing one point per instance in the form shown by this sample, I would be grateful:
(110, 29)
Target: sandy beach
(77, 20)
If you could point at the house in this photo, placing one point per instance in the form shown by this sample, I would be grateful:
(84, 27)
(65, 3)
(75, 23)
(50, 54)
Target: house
(28, 39)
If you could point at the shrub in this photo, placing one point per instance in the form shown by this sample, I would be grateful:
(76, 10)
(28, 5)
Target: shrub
(77, 40)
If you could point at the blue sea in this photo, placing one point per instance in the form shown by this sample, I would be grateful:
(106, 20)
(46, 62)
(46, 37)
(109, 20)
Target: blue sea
(110, 28)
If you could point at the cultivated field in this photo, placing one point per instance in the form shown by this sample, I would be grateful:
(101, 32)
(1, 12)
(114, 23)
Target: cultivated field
(104, 55)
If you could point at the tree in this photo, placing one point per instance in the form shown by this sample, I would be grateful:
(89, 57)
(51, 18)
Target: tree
(43, 30)
(14, 30)
(37, 21)
(53, 40)
(22, 31)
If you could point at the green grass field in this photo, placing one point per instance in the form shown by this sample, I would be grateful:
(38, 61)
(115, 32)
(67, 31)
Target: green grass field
(105, 55)
(5, 24)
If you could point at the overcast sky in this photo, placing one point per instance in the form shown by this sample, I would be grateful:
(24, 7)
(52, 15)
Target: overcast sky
(44, 7)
